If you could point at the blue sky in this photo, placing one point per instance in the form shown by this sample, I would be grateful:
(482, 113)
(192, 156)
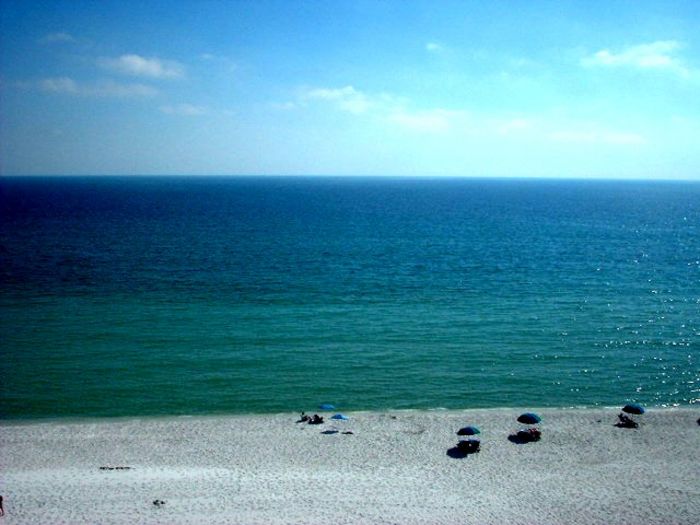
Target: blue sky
(511, 88)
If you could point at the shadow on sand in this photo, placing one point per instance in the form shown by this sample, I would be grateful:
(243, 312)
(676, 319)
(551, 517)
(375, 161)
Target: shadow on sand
(518, 439)
(461, 452)
(457, 453)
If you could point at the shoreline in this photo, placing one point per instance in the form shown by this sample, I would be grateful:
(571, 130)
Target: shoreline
(225, 415)
(395, 467)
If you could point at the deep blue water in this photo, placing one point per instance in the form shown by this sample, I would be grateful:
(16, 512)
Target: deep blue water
(144, 295)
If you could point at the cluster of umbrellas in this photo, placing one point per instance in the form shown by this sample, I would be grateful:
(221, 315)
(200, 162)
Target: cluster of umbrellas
(473, 445)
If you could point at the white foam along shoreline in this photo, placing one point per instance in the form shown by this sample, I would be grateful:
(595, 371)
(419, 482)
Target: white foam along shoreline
(395, 467)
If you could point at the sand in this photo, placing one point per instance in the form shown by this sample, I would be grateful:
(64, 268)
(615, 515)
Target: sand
(396, 467)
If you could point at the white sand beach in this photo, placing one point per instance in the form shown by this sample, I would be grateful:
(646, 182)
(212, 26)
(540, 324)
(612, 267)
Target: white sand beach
(394, 468)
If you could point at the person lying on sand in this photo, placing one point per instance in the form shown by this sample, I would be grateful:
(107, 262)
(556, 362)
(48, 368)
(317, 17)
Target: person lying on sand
(530, 434)
(626, 421)
(303, 418)
(316, 420)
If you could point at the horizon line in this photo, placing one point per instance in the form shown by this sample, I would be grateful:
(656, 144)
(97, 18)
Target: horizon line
(349, 176)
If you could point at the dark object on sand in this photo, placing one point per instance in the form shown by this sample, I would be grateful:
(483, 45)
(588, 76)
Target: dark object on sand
(468, 431)
(469, 446)
(115, 468)
(529, 435)
(2, 509)
(634, 408)
(626, 422)
(529, 418)
(158, 502)
(315, 420)
(303, 418)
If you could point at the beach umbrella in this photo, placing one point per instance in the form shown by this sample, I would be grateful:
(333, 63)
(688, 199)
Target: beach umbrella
(326, 406)
(634, 408)
(529, 418)
(468, 431)
(340, 416)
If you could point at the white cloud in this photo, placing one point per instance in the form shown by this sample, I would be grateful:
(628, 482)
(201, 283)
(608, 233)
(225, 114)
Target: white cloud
(185, 110)
(388, 108)
(657, 55)
(135, 65)
(347, 98)
(109, 88)
(106, 88)
(597, 137)
(284, 106)
(59, 85)
(433, 47)
(430, 121)
(514, 125)
(219, 60)
(56, 38)
(527, 129)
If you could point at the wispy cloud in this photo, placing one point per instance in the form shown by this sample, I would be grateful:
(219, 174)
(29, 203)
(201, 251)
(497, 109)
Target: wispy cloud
(428, 121)
(185, 110)
(434, 47)
(346, 98)
(513, 125)
(135, 65)
(656, 55)
(548, 128)
(597, 137)
(386, 107)
(59, 85)
(105, 88)
(57, 38)
(219, 60)
(400, 113)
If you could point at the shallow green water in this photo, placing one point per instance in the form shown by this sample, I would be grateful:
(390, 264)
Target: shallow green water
(135, 296)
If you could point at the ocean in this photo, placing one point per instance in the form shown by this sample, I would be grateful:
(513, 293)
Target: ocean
(146, 296)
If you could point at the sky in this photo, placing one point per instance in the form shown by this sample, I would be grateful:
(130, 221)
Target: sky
(585, 89)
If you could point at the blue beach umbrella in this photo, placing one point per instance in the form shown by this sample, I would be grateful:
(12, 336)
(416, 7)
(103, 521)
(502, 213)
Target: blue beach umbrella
(326, 406)
(529, 418)
(634, 408)
(468, 431)
(340, 416)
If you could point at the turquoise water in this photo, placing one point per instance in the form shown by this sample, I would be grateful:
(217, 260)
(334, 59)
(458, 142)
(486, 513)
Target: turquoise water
(154, 296)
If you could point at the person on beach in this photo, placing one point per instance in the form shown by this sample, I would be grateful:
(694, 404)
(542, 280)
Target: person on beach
(626, 422)
(2, 510)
